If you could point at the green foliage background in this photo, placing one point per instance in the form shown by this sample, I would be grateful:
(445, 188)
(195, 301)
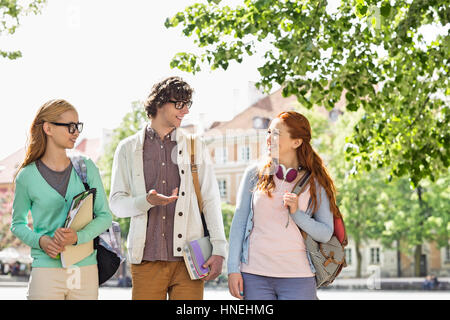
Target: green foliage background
(372, 53)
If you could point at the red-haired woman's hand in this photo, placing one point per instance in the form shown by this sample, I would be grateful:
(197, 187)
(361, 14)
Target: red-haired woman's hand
(236, 285)
(290, 200)
(294, 202)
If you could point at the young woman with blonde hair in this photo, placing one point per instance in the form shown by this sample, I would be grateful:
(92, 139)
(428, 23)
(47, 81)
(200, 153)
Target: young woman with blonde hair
(45, 185)
(267, 256)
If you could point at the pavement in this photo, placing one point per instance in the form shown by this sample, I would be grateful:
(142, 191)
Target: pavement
(339, 283)
(12, 288)
(373, 283)
(110, 293)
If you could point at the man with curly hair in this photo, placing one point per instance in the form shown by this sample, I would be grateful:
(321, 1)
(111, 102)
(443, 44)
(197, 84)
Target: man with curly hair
(152, 183)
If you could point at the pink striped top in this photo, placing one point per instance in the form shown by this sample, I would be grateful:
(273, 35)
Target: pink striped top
(276, 250)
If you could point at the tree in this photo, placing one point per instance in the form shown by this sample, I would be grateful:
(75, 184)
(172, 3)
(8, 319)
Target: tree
(396, 201)
(375, 208)
(358, 195)
(358, 200)
(438, 199)
(7, 239)
(371, 52)
(132, 122)
(416, 215)
(11, 12)
(227, 214)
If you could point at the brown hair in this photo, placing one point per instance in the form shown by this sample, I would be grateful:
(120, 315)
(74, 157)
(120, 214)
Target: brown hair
(37, 139)
(299, 128)
(165, 90)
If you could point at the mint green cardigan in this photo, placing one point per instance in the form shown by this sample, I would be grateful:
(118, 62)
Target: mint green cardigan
(49, 211)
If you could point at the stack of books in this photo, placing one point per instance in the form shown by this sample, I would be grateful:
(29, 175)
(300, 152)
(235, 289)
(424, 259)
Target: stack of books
(79, 215)
(195, 254)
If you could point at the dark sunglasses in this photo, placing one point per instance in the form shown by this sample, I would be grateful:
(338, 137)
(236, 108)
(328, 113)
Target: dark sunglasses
(180, 104)
(71, 126)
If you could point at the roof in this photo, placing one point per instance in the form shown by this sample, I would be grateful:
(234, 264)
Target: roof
(91, 148)
(10, 164)
(267, 107)
(191, 128)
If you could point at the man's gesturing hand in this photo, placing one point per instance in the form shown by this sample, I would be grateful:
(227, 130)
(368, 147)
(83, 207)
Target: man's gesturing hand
(157, 199)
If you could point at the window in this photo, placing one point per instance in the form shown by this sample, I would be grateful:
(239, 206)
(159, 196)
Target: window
(374, 255)
(221, 155)
(223, 188)
(348, 256)
(244, 153)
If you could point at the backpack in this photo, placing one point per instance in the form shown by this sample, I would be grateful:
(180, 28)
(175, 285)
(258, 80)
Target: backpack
(328, 258)
(108, 243)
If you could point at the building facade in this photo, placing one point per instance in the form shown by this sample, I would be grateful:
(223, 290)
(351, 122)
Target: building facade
(235, 144)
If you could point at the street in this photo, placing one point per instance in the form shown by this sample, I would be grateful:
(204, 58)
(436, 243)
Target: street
(107, 293)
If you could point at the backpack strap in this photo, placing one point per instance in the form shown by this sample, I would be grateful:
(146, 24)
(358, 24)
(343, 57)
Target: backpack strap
(298, 189)
(194, 171)
(80, 168)
(301, 184)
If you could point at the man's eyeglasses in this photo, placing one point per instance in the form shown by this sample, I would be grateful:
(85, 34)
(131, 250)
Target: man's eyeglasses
(180, 104)
(71, 126)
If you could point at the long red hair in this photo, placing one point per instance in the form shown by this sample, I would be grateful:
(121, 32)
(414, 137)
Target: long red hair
(299, 128)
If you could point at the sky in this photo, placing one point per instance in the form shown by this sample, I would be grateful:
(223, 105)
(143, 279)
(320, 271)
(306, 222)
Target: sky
(101, 56)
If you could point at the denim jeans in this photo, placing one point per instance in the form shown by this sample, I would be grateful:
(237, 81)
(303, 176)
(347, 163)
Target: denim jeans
(258, 287)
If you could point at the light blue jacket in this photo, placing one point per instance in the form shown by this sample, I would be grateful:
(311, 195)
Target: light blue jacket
(320, 228)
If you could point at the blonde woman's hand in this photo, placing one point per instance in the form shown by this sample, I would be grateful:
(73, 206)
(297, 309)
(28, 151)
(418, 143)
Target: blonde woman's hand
(50, 246)
(236, 285)
(65, 236)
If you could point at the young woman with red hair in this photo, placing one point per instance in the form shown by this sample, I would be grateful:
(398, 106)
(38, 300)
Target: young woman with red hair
(267, 255)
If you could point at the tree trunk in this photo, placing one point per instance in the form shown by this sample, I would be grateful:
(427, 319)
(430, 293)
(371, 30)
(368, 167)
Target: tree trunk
(358, 260)
(418, 250)
(399, 260)
(417, 255)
